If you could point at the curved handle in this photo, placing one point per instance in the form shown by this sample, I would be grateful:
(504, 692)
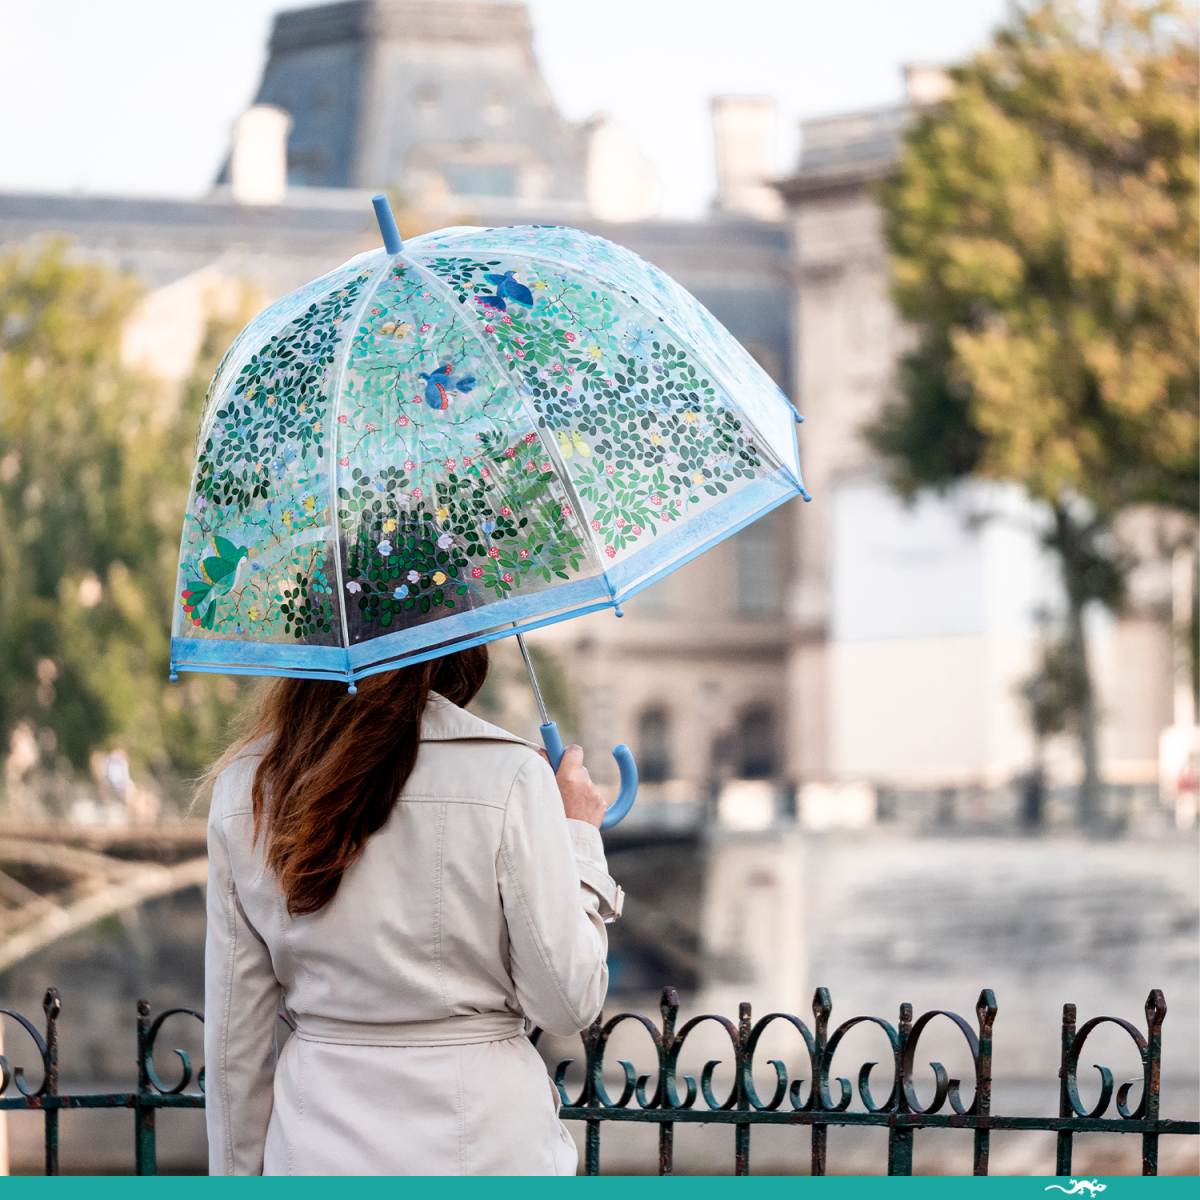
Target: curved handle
(626, 794)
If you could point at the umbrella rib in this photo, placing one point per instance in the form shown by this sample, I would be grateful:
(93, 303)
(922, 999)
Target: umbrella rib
(718, 376)
(563, 474)
(335, 400)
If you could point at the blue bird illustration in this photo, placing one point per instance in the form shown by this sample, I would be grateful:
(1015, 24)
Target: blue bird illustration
(440, 383)
(507, 288)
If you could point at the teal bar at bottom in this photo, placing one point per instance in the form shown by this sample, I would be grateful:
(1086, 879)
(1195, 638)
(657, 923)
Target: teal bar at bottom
(941, 1187)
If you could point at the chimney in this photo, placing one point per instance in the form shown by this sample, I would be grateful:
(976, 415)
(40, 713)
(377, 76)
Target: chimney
(620, 180)
(258, 164)
(744, 135)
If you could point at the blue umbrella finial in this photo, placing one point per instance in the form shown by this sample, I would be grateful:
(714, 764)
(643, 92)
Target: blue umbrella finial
(387, 224)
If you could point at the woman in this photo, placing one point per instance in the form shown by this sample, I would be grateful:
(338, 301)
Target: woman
(412, 888)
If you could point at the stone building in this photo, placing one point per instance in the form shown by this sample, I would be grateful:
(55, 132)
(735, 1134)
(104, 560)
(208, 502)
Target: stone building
(912, 627)
(851, 643)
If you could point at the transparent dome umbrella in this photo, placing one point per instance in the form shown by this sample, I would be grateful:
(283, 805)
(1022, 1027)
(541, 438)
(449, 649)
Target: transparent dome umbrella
(460, 438)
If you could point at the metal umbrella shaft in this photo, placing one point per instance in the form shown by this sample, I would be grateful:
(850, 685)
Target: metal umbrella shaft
(552, 740)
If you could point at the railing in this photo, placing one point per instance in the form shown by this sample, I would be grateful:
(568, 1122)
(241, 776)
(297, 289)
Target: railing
(666, 1096)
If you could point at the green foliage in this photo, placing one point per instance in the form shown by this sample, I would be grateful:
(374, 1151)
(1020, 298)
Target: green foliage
(93, 475)
(1043, 229)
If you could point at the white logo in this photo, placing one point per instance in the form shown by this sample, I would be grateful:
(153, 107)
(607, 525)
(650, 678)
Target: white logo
(1093, 1187)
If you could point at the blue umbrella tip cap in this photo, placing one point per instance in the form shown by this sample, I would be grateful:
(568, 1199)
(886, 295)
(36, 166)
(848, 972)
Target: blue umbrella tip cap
(173, 677)
(618, 610)
(387, 224)
(352, 690)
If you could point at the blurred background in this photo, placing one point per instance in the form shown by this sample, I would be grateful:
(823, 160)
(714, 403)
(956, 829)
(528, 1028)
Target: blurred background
(935, 731)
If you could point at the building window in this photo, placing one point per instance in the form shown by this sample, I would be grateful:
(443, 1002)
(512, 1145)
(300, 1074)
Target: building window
(481, 179)
(426, 100)
(654, 745)
(495, 111)
(755, 752)
(758, 574)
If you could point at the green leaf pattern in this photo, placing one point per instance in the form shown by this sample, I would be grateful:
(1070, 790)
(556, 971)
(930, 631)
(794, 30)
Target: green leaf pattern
(481, 447)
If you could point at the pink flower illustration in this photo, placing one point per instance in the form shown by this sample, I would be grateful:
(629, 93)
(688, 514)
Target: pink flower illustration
(409, 465)
(596, 526)
(484, 473)
(636, 531)
(507, 577)
(506, 319)
(372, 428)
(530, 437)
(610, 551)
(565, 510)
(416, 493)
(342, 419)
(424, 327)
(493, 552)
(476, 572)
(467, 460)
(401, 420)
(620, 522)
(522, 553)
(505, 511)
(519, 340)
(610, 469)
(570, 336)
(511, 452)
(547, 465)
(449, 464)
(520, 353)
(489, 329)
(656, 501)
(344, 461)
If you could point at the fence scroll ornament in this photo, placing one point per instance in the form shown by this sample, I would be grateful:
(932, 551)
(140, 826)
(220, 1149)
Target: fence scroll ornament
(813, 1094)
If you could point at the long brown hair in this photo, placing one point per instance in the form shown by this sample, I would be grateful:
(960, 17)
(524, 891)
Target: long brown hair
(336, 763)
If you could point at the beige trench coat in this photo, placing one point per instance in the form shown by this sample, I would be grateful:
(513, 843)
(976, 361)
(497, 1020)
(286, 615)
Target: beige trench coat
(477, 905)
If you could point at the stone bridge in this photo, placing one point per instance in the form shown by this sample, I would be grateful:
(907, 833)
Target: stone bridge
(57, 879)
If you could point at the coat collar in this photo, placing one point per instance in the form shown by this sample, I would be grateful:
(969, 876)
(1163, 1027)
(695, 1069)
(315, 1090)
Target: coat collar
(444, 721)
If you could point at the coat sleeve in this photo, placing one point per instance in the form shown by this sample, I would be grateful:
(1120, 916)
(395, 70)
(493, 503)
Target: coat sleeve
(241, 1002)
(557, 897)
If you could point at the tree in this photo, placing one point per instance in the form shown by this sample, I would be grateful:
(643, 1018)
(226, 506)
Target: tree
(94, 465)
(1042, 227)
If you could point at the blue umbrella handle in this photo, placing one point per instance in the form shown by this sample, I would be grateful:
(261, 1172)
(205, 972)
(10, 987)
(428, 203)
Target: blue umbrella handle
(626, 794)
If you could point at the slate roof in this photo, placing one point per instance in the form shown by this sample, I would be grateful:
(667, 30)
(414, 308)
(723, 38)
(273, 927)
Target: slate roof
(378, 88)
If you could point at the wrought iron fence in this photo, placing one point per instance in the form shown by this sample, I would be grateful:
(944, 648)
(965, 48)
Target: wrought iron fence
(667, 1096)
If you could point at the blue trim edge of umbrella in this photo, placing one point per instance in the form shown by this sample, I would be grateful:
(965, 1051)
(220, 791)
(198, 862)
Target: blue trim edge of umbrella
(521, 614)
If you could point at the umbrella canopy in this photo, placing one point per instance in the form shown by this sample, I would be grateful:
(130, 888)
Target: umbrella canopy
(483, 432)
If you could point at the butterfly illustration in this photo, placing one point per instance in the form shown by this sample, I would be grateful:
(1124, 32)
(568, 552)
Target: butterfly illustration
(636, 340)
(440, 383)
(507, 288)
(220, 572)
(571, 441)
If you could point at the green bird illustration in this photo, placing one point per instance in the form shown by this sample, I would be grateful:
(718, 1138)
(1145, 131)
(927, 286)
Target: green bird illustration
(221, 571)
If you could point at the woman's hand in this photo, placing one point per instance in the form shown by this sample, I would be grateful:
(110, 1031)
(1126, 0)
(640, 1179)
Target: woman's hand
(581, 800)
